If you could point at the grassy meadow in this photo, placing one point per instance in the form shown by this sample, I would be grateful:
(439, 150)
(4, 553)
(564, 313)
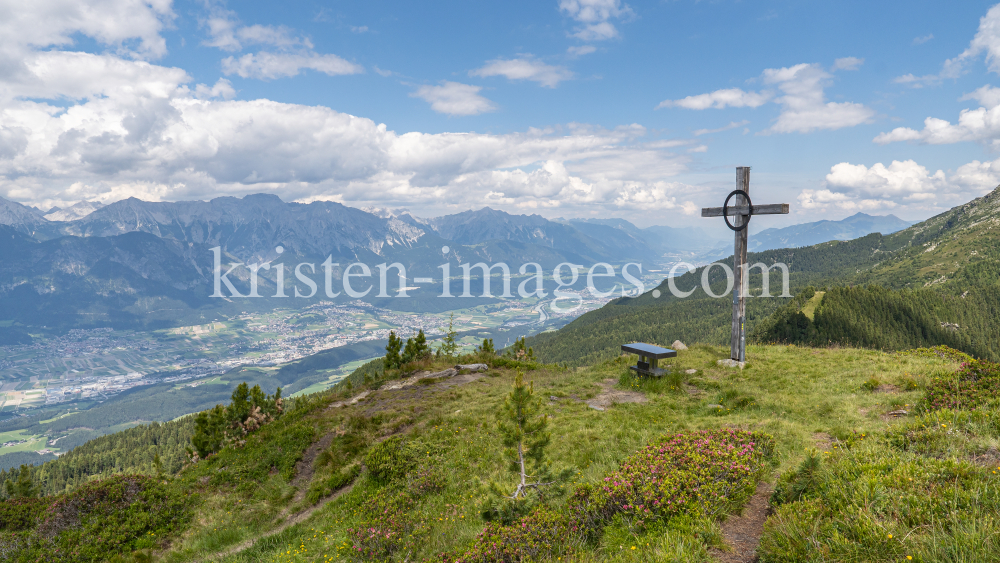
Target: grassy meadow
(841, 465)
(845, 479)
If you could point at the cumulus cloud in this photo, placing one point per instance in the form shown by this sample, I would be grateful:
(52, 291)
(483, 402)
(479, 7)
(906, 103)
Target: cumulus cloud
(986, 40)
(454, 98)
(856, 187)
(979, 125)
(131, 26)
(923, 39)
(730, 97)
(803, 103)
(525, 68)
(595, 17)
(125, 127)
(804, 107)
(268, 66)
(291, 53)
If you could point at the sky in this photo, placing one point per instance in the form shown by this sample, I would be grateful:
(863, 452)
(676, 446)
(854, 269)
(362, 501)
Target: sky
(565, 108)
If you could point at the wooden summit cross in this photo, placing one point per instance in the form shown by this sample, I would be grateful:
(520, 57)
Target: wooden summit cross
(742, 209)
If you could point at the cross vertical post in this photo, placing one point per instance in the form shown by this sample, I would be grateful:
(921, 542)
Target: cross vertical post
(741, 210)
(737, 345)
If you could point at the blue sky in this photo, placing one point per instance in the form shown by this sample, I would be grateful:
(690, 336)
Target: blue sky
(559, 107)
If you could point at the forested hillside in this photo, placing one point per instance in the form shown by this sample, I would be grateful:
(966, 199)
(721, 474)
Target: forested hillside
(949, 266)
(148, 449)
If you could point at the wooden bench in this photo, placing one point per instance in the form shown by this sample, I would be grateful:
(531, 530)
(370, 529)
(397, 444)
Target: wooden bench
(649, 356)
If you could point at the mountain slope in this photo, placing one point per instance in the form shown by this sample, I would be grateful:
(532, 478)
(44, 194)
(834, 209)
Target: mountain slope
(951, 254)
(808, 234)
(135, 279)
(23, 219)
(252, 227)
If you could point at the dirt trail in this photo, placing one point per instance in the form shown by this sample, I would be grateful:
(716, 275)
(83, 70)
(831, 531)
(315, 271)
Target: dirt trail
(293, 520)
(742, 533)
(304, 468)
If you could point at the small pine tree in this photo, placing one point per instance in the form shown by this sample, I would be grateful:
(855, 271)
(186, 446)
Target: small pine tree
(487, 347)
(409, 352)
(392, 359)
(524, 435)
(420, 343)
(521, 351)
(449, 345)
(524, 432)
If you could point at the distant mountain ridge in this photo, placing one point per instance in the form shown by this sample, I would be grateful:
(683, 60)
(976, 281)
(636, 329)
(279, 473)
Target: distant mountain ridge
(252, 227)
(78, 210)
(808, 234)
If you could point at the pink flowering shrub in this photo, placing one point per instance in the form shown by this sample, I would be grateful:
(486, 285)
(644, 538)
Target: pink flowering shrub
(975, 384)
(389, 529)
(696, 474)
(542, 533)
(703, 473)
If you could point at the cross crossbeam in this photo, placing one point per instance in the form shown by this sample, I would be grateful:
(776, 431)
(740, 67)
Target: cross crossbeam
(772, 209)
(743, 211)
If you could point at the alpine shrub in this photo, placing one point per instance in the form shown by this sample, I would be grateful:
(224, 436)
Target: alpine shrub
(390, 460)
(974, 385)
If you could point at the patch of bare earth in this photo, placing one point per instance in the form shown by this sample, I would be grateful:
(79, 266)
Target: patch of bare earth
(742, 533)
(822, 440)
(989, 459)
(304, 469)
(610, 396)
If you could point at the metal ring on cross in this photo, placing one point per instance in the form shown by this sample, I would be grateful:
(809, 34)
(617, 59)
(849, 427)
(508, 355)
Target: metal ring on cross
(725, 210)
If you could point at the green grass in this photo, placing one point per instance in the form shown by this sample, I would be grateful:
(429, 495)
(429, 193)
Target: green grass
(811, 401)
(788, 392)
(809, 309)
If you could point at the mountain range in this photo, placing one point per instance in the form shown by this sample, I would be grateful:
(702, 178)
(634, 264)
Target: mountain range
(808, 234)
(135, 262)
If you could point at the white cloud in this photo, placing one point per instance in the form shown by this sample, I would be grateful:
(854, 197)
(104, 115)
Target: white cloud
(988, 96)
(222, 25)
(132, 26)
(454, 98)
(804, 107)
(595, 15)
(126, 127)
(732, 125)
(222, 89)
(359, 29)
(978, 125)
(848, 63)
(856, 187)
(268, 66)
(580, 50)
(899, 180)
(291, 53)
(917, 81)
(277, 36)
(730, 97)
(923, 39)
(525, 68)
(987, 39)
